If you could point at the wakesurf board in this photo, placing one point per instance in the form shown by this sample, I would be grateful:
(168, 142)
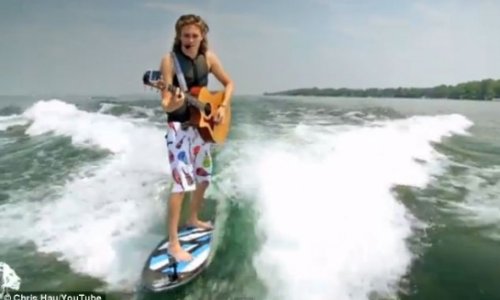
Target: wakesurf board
(162, 272)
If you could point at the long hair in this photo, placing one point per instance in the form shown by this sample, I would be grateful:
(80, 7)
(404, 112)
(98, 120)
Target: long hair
(191, 20)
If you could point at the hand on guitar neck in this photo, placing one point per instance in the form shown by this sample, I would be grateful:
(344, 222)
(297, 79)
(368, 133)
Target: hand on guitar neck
(153, 79)
(204, 106)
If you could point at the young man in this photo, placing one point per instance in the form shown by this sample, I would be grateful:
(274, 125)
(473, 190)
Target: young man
(189, 156)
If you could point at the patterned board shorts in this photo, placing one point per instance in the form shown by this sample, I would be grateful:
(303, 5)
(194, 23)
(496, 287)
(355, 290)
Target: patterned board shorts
(189, 156)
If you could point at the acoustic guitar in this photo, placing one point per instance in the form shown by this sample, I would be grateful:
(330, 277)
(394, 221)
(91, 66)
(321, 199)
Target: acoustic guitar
(203, 108)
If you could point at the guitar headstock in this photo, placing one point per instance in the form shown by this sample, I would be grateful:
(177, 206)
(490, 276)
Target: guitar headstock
(153, 78)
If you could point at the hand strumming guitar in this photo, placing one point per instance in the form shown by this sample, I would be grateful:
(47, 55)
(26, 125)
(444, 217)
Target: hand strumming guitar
(220, 114)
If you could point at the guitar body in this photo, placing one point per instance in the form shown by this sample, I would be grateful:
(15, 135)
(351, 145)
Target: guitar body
(199, 98)
(209, 130)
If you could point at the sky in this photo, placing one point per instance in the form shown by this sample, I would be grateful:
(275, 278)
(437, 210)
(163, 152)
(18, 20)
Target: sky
(104, 47)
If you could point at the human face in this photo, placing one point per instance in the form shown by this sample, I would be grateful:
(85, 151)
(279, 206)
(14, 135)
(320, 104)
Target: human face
(191, 38)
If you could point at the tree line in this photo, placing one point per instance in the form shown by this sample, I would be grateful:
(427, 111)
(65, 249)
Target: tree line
(487, 89)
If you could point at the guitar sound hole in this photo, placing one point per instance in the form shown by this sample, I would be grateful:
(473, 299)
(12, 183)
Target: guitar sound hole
(207, 109)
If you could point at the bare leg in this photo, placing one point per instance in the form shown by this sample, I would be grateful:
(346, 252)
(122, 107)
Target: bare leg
(197, 198)
(174, 211)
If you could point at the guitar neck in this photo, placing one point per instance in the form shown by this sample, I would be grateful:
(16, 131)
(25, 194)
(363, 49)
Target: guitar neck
(195, 102)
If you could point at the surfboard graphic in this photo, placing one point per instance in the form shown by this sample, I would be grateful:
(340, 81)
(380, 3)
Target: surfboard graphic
(161, 272)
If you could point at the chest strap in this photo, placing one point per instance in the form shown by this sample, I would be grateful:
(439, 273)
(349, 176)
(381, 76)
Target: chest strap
(179, 73)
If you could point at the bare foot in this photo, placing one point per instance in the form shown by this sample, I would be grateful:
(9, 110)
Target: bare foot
(178, 253)
(200, 224)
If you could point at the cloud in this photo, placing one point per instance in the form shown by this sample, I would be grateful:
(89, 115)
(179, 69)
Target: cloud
(265, 46)
(212, 12)
(423, 44)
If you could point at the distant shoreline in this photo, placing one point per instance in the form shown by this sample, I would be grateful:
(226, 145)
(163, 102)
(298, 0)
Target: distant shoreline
(484, 90)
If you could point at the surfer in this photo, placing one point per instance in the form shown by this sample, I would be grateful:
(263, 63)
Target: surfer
(189, 156)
